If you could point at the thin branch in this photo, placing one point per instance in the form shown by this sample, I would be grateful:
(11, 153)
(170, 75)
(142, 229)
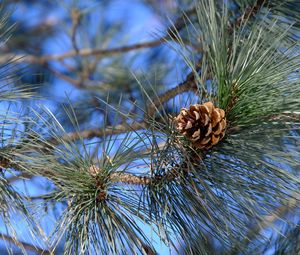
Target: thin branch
(79, 83)
(83, 53)
(97, 132)
(130, 178)
(23, 175)
(185, 86)
(269, 219)
(25, 245)
(178, 25)
(75, 16)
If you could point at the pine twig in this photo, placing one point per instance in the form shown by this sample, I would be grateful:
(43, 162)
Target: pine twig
(178, 25)
(75, 16)
(97, 132)
(187, 85)
(130, 178)
(23, 175)
(73, 53)
(25, 245)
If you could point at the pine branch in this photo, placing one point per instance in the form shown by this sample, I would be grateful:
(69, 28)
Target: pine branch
(78, 83)
(122, 177)
(96, 132)
(75, 17)
(25, 245)
(23, 175)
(178, 25)
(189, 84)
(82, 52)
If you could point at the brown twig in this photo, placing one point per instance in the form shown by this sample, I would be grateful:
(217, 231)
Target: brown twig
(23, 175)
(83, 53)
(97, 132)
(79, 83)
(25, 245)
(130, 178)
(178, 25)
(75, 17)
(187, 85)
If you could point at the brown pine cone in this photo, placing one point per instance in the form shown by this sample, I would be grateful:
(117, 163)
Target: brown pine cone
(204, 125)
(4, 163)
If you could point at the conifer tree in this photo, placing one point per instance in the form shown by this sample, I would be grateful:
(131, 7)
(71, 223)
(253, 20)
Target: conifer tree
(187, 142)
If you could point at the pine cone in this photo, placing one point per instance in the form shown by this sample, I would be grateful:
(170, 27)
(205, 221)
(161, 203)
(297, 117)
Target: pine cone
(204, 125)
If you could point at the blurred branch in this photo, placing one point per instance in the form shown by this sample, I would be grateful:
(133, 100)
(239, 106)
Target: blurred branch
(75, 16)
(23, 175)
(79, 83)
(97, 132)
(269, 219)
(187, 85)
(177, 25)
(25, 245)
(148, 250)
(73, 53)
(249, 12)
